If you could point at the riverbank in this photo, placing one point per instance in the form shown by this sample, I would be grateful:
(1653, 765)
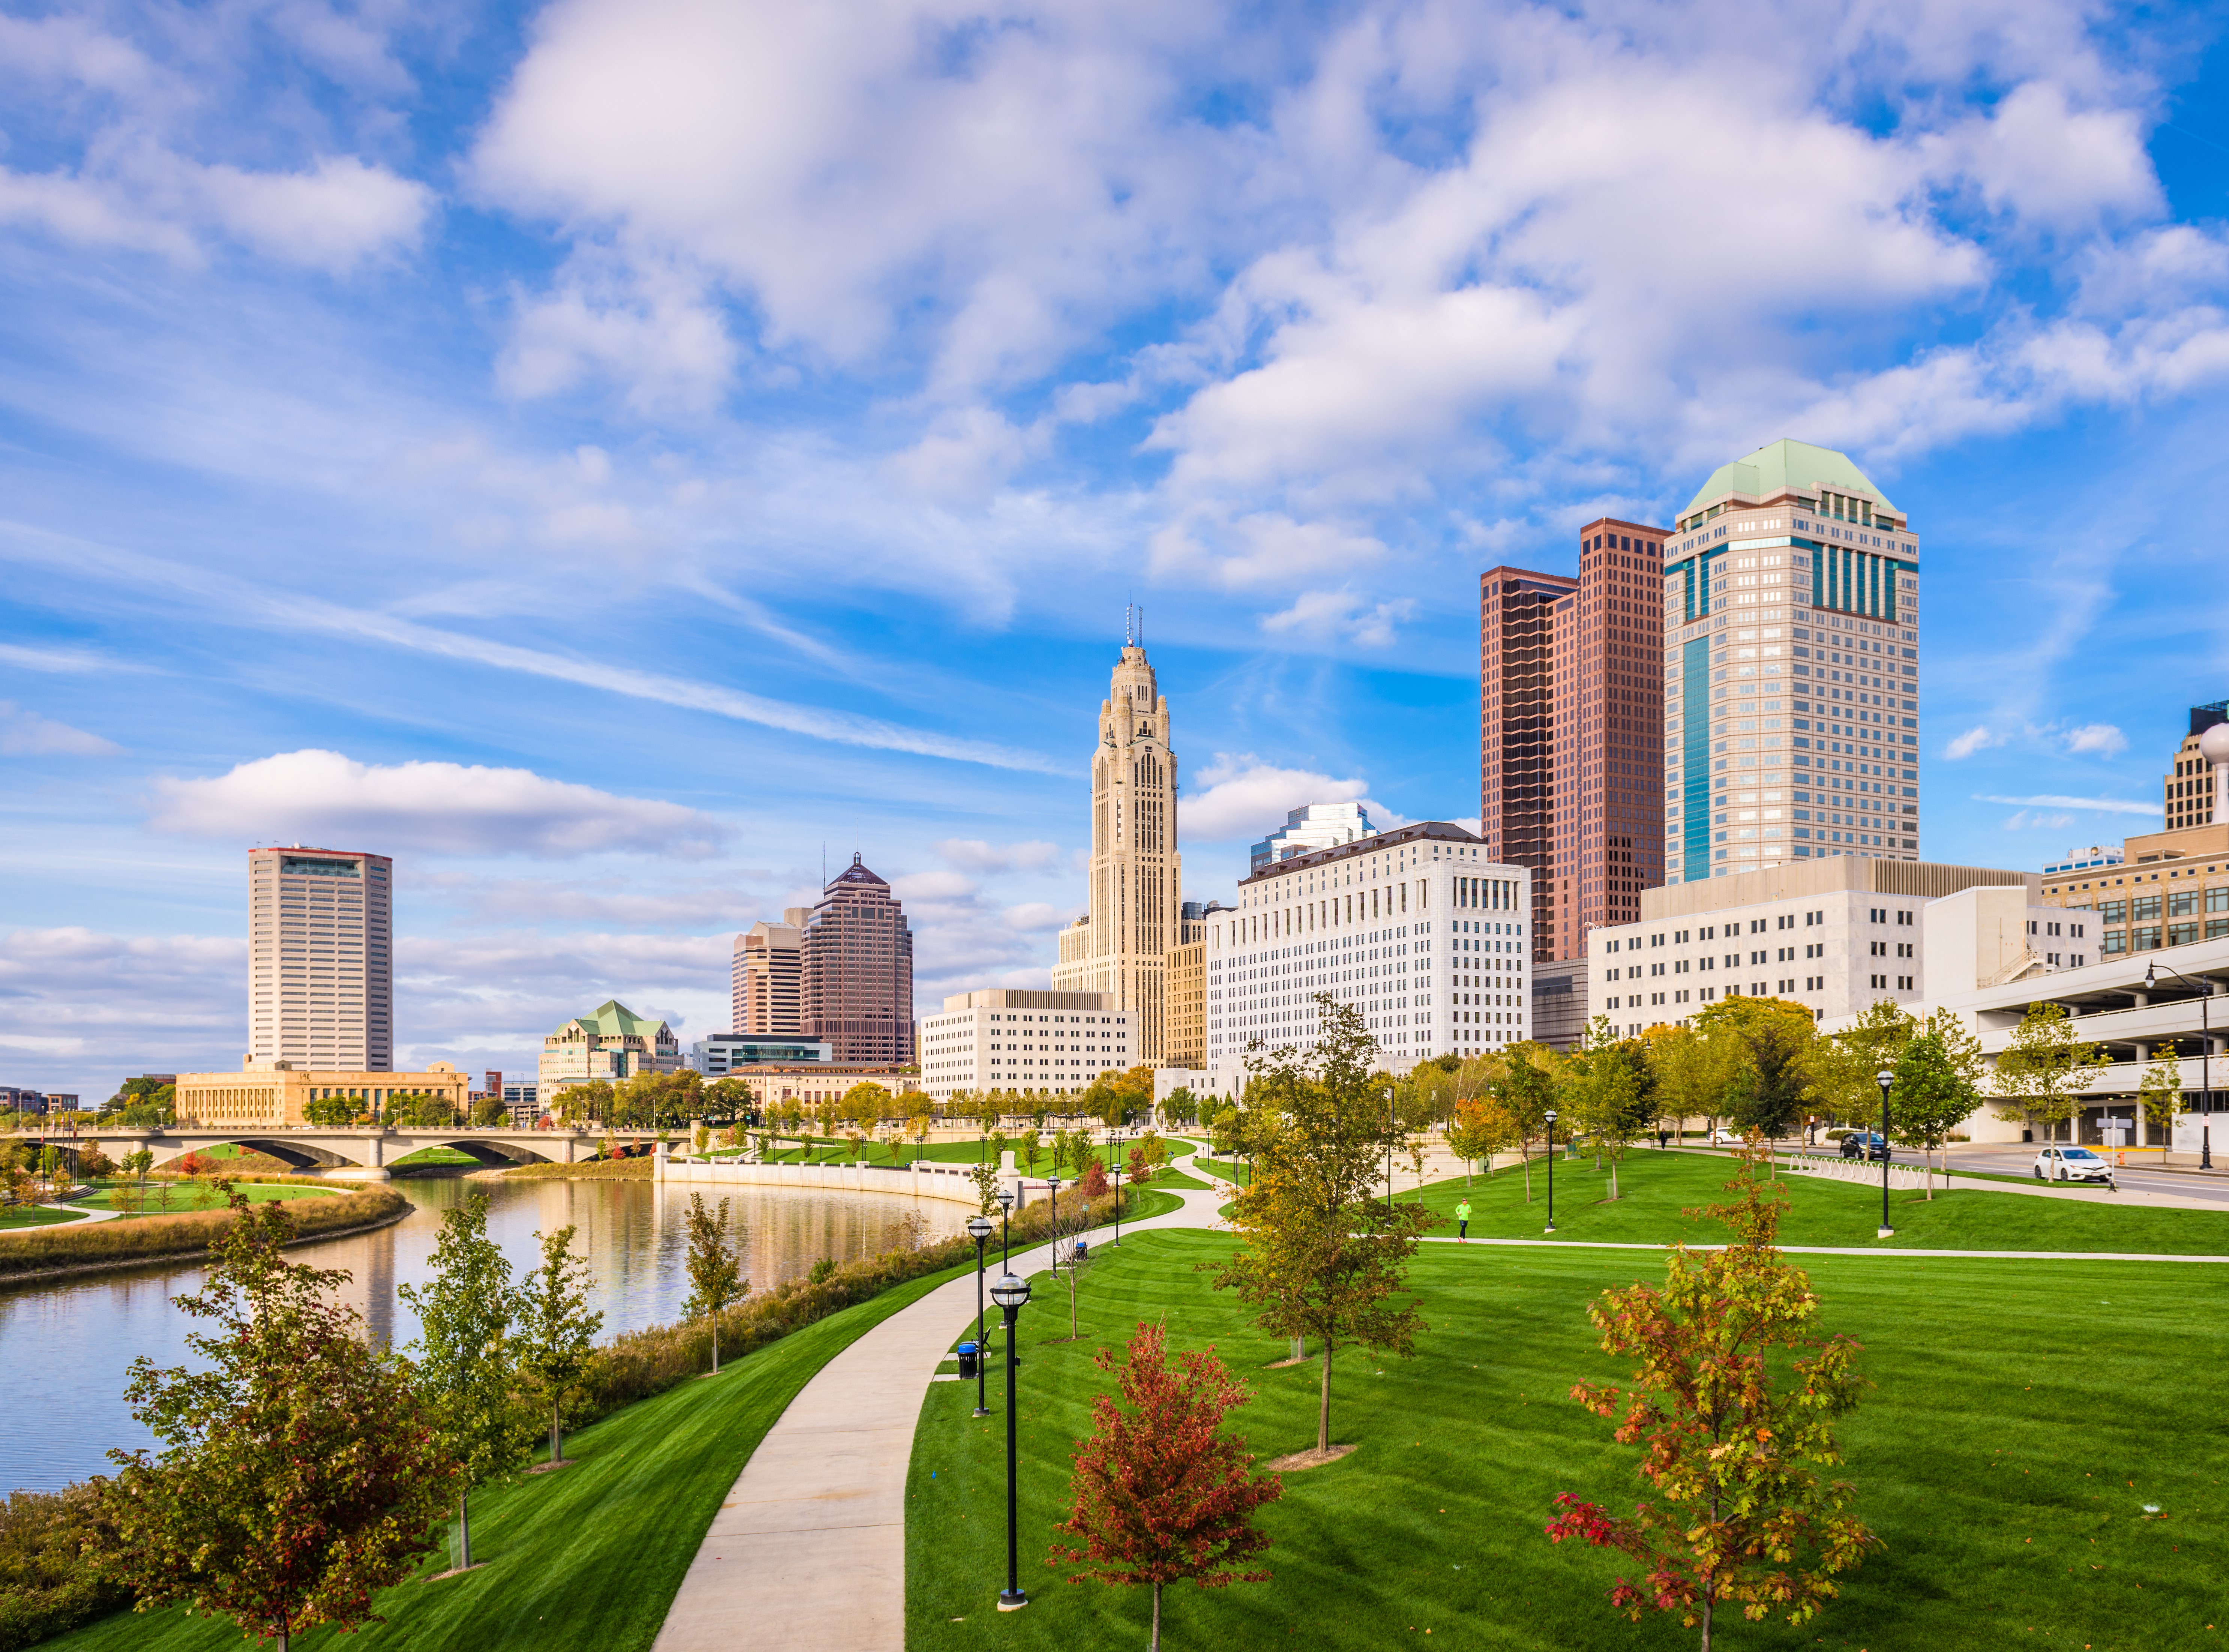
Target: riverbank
(587, 1170)
(38, 1254)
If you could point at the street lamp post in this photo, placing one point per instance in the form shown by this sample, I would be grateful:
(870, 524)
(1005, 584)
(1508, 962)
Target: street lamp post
(1550, 1228)
(1391, 1125)
(1885, 1078)
(2205, 1065)
(1114, 1164)
(1053, 1221)
(978, 1229)
(1009, 1294)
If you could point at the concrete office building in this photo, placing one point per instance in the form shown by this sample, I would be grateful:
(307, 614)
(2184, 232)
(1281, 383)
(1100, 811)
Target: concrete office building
(719, 1055)
(766, 977)
(1791, 668)
(2098, 857)
(1517, 730)
(524, 1104)
(1835, 935)
(609, 1043)
(271, 1094)
(1120, 947)
(856, 971)
(1415, 929)
(2193, 786)
(321, 958)
(2169, 889)
(1313, 825)
(1006, 1038)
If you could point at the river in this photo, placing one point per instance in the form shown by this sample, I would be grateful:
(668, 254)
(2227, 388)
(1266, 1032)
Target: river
(65, 1348)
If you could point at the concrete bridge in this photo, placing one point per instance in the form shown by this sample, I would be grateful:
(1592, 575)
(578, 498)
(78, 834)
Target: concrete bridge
(355, 1153)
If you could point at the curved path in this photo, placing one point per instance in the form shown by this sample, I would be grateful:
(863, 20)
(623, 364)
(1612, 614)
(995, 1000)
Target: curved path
(809, 1548)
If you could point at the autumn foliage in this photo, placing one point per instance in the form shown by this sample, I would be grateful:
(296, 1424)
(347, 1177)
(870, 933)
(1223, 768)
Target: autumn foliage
(1159, 1492)
(1734, 1399)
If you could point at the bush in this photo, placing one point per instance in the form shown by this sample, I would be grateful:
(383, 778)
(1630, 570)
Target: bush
(46, 1587)
(94, 1244)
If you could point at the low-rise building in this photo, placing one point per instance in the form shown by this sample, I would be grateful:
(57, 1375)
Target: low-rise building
(2192, 786)
(810, 1083)
(2169, 889)
(1012, 1039)
(1418, 931)
(524, 1104)
(1187, 1043)
(719, 1055)
(266, 1095)
(611, 1042)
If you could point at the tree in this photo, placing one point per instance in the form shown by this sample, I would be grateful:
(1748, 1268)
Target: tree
(1160, 1493)
(1930, 1098)
(1767, 1096)
(136, 1165)
(93, 1164)
(2044, 1068)
(1687, 1071)
(715, 1269)
(299, 1472)
(1480, 1130)
(2159, 1092)
(587, 1103)
(557, 1330)
(489, 1110)
(1524, 1090)
(986, 1178)
(329, 1112)
(1319, 1254)
(465, 1320)
(1842, 1067)
(1030, 1144)
(1733, 1449)
(866, 1103)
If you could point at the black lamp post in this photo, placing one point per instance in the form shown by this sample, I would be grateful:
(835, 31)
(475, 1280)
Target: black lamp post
(1391, 1125)
(1885, 1078)
(1550, 1228)
(978, 1229)
(1114, 1164)
(1009, 1294)
(2205, 1065)
(1005, 1211)
(1053, 1183)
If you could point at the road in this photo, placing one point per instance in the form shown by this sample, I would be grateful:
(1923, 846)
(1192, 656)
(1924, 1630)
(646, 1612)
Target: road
(2012, 1159)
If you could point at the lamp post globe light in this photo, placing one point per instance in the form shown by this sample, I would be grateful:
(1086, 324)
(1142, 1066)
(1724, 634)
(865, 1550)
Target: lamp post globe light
(1550, 1228)
(2205, 1063)
(978, 1229)
(1885, 1078)
(1009, 1294)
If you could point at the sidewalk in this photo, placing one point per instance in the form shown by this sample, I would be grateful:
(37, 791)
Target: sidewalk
(1855, 1250)
(809, 1548)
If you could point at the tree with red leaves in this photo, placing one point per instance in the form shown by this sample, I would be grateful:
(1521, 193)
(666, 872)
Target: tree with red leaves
(1733, 1450)
(1160, 1493)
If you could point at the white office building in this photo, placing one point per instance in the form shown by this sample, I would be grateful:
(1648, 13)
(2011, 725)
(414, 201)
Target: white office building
(321, 959)
(1415, 929)
(722, 1053)
(1314, 825)
(1791, 668)
(1006, 1038)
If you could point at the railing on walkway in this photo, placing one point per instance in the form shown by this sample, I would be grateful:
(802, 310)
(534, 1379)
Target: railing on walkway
(1865, 1171)
(919, 1180)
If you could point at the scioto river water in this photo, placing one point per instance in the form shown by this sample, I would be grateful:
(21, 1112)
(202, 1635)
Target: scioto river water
(65, 1347)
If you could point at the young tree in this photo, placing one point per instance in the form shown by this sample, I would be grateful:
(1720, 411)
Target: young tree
(1524, 1090)
(1767, 1096)
(2044, 1068)
(465, 1317)
(1031, 1146)
(986, 1178)
(557, 1330)
(299, 1472)
(1481, 1128)
(1733, 1446)
(1160, 1493)
(715, 1269)
(1841, 1068)
(1320, 1255)
(1687, 1073)
(2159, 1092)
(1930, 1098)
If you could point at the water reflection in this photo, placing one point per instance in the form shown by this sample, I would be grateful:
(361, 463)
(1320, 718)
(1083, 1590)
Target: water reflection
(64, 1347)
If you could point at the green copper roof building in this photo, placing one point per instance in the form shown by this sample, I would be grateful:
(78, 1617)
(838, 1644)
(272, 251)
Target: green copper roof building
(610, 1042)
(1791, 707)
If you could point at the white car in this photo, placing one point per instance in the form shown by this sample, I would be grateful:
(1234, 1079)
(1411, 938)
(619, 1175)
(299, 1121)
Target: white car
(1727, 1138)
(2072, 1163)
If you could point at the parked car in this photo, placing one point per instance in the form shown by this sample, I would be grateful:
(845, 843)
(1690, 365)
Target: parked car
(1726, 1138)
(2073, 1164)
(1864, 1144)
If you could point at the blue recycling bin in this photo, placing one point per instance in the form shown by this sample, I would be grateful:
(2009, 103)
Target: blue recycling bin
(1083, 1250)
(970, 1358)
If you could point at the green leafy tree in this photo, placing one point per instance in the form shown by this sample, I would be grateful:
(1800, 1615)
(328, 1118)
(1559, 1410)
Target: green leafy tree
(489, 1111)
(466, 1315)
(1160, 1494)
(1734, 1399)
(556, 1331)
(715, 1269)
(330, 1112)
(1929, 1099)
(1767, 1096)
(1525, 1089)
(986, 1178)
(1841, 1068)
(2044, 1068)
(1031, 1146)
(2159, 1092)
(299, 1472)
(1481, 1128)
(1320, 1256)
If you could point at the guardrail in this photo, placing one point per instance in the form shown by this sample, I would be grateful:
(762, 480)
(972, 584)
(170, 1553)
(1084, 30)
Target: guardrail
(918, 1181)
(1865, 1171)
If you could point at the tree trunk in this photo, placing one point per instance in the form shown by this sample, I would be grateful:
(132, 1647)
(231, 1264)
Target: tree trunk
(1707, 1604)
(1155, 1645)
(464, 1531)
(1613, 1180)
(1323, 1407)
(1526, 1154)
(556, 1432)
(715, 1341)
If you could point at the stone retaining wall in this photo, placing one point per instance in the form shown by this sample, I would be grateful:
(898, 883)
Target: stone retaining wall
(921, 1180)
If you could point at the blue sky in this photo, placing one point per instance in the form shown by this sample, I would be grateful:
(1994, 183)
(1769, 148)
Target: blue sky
(606, 456)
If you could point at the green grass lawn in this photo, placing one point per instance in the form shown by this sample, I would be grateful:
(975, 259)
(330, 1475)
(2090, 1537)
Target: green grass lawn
(1654, 1187)
(433, 1156)
(2024, 1412)
(195, 1196)
(588, 1557)
(33, 1216)
(1229, 1169)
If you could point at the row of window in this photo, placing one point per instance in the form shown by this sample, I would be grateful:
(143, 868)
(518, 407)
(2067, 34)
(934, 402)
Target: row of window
(2181, 903)
(2148, 939)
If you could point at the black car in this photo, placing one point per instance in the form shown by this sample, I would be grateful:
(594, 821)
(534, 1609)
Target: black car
(1864, 1144)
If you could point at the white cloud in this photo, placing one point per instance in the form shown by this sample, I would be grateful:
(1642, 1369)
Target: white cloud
(973, 854)
(2098, 805)
(2028, 820)
(1034, 917)
(920, 888)
(1341, 613)
(107, 1006)
(2102, 739)
(325, 798)
(652, 328)
(26, 734)
(1978, 738)
(1246, 799)
(2042, 161)
(74, 660)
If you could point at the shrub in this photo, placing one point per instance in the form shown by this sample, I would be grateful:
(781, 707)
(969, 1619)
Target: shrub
(45, 1587)
(155, 1237)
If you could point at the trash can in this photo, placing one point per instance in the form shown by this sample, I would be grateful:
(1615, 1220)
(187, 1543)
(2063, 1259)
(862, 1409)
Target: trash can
(1083, 1250)
(970, 1358)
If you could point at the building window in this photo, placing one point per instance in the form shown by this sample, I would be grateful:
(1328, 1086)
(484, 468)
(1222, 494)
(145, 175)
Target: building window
(2182, 903)
(2181, 935)
(2145, 940)
(2144, 908)
(2113, 911)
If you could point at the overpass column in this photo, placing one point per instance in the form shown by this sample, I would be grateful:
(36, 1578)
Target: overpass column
(375, 1149)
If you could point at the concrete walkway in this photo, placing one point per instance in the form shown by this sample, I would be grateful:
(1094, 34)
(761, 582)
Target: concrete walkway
(1853, 1251)
(809, 1548)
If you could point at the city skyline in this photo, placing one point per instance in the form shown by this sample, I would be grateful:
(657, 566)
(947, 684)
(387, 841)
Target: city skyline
(488, 494)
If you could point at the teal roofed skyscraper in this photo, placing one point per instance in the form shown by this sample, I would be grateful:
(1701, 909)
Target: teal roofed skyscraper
(1788, 466)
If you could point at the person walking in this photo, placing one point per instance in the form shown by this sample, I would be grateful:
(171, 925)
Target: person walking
(1462, 1223)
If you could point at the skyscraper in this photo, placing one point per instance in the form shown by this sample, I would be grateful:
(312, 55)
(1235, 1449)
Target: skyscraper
(1120, 946)
(856, 971)
(764, 977)
(1517, 730)
(1791, 668)
(320, 959)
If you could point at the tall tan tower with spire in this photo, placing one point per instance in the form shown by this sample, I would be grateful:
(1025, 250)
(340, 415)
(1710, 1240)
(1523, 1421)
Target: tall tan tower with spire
(1121, 946)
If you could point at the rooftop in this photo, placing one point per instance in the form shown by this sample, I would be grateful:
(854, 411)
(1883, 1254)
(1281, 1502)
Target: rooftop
(612, 1019)
(1787, 465)
(1436, 831)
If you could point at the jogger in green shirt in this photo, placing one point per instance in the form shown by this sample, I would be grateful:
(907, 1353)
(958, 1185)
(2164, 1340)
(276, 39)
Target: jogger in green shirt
(1462, 1223)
